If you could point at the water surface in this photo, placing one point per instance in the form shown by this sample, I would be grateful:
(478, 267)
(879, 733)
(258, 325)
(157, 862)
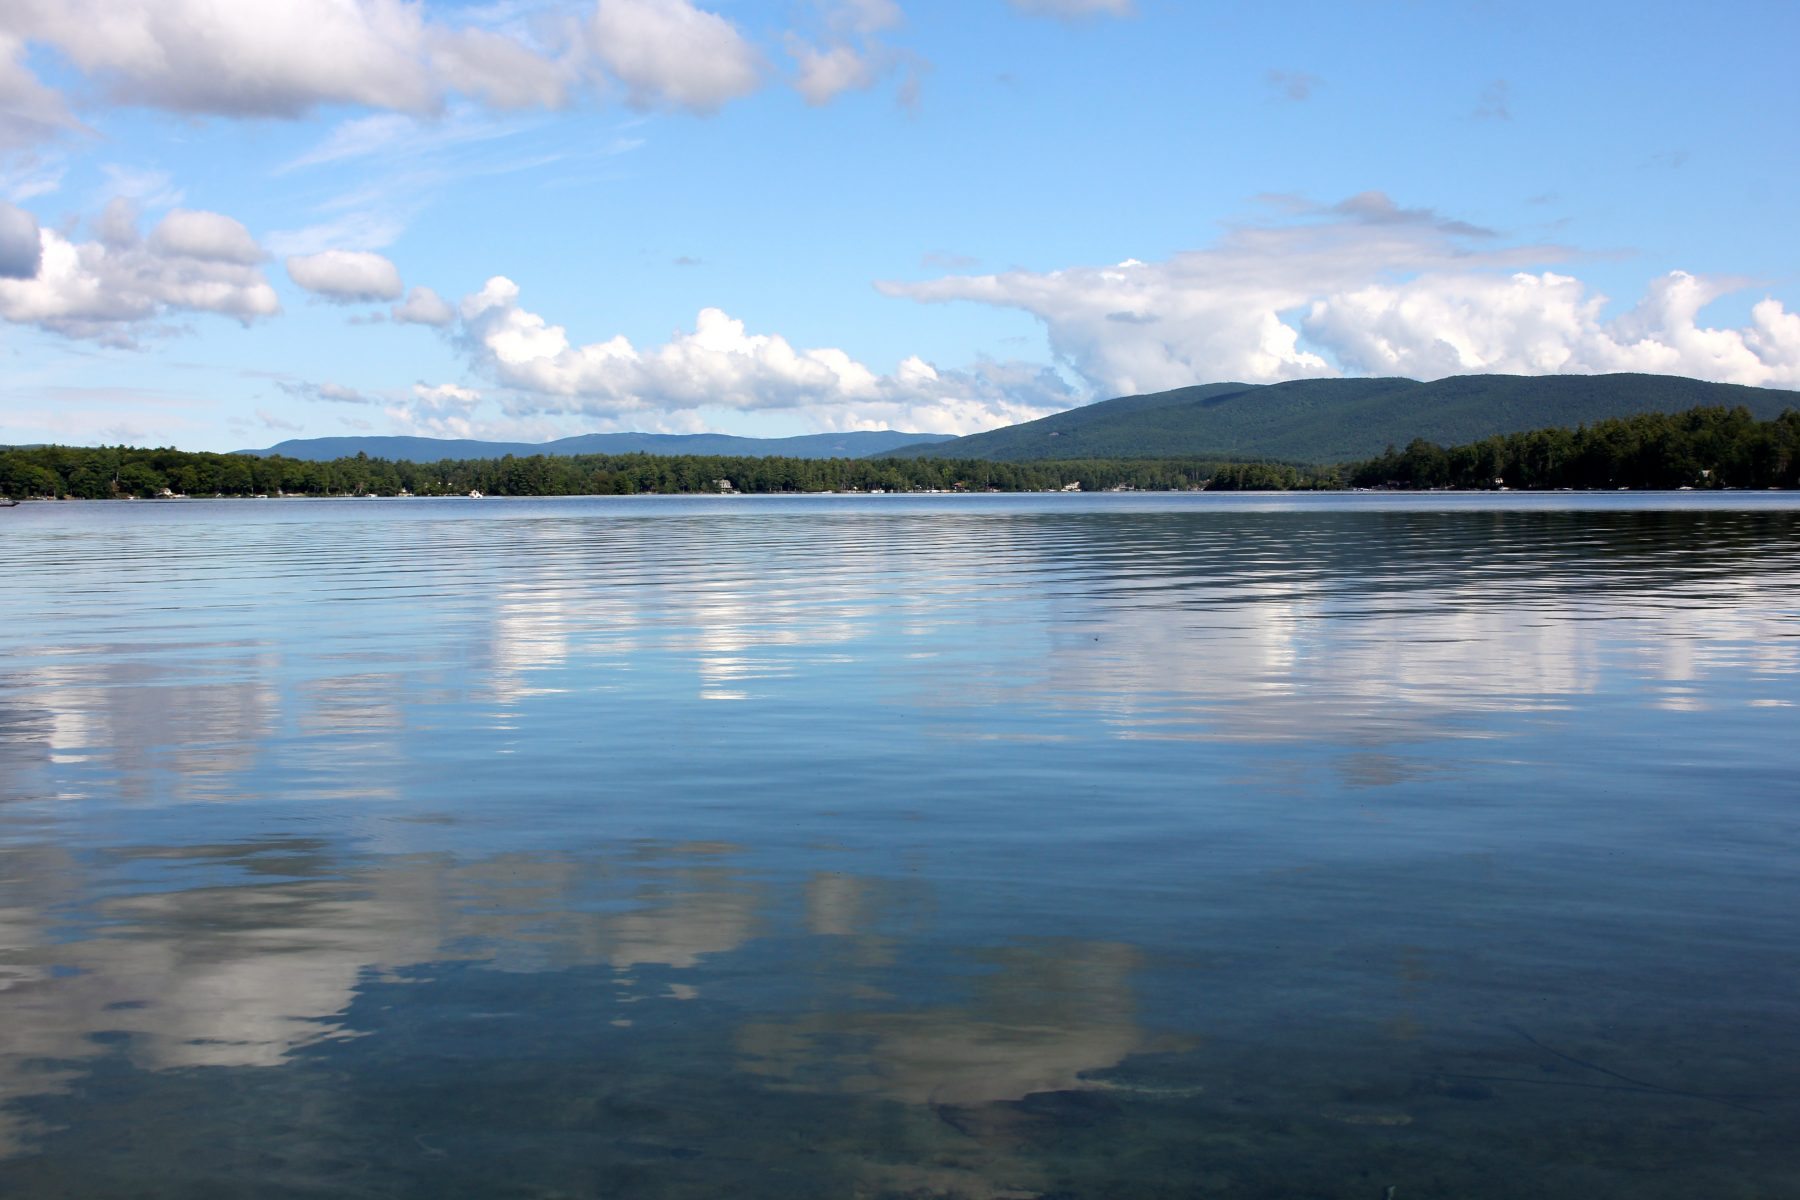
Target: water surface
(989, 846)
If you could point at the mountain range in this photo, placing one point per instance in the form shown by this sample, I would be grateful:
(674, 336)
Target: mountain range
(1316, 421)
(1342, 420)
(858, 444)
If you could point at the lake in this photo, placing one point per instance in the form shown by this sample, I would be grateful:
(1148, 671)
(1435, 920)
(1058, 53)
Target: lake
(1136, 846)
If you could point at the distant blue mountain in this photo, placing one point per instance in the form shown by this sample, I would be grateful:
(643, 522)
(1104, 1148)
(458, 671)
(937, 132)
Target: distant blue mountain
(860, 444)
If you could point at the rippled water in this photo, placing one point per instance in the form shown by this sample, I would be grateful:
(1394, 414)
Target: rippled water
(1123, 846)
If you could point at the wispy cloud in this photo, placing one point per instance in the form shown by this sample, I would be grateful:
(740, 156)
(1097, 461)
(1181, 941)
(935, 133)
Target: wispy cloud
(278, 424)
(371, 229)
(145, 187)
(1495, 103)
(1071, 9)
(1293, 85)
(411, 137)
(32, 174)
(332, 393)
(402, 165)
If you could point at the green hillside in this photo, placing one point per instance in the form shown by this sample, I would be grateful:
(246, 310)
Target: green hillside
(1343, 420)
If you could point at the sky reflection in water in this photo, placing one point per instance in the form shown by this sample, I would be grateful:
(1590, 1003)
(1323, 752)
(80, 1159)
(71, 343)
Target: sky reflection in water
(987, 846)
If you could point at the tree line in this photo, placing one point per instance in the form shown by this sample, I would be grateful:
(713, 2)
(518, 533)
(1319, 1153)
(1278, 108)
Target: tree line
(1699, 448)
(118, 472)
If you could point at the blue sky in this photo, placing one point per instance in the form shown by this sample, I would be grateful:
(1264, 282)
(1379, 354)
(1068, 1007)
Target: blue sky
(226, 225)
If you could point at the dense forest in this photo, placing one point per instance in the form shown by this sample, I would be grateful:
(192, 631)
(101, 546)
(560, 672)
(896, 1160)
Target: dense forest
(1701, 448)
(122, 471)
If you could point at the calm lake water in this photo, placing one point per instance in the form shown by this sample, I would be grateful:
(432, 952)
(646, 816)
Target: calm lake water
(1118, 846)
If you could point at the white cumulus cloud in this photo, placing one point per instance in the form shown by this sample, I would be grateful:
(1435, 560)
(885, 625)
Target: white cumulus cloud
(671, 55)
(1540, 324)
(1144, 327)
(721, 365)
(111, 288)
(346, 276)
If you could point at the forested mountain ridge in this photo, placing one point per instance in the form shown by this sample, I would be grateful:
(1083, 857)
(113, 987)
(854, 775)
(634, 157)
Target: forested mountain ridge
(863, 443)
(1344, 420)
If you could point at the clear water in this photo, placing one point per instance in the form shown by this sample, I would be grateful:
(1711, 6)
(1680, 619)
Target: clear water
(1122, 846)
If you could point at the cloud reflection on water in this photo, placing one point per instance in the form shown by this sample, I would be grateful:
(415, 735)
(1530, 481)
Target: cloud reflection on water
(1039, 1019)
(263, 952)
(445, 741)
(266, 952)
(1265, 627)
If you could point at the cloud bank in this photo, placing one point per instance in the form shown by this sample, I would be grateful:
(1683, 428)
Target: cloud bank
(274, 58)
(720, 364)
(1368, 287)
(287, 58)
